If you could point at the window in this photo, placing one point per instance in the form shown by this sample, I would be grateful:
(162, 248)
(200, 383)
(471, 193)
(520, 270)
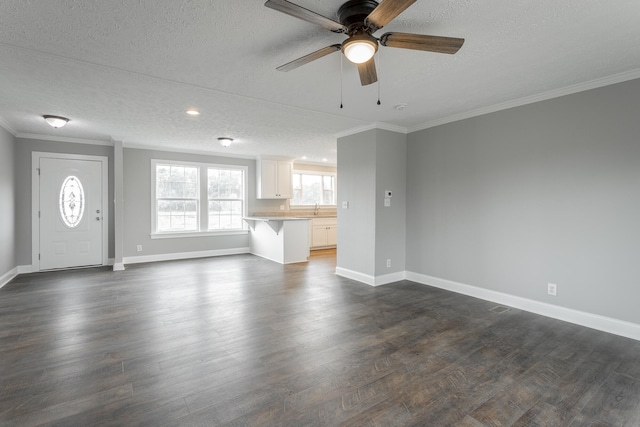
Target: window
(310, 188)
(197, 198)
(226, 198)
(176, 198)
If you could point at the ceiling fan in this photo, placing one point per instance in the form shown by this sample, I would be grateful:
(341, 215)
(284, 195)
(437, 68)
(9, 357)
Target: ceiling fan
(359, 19)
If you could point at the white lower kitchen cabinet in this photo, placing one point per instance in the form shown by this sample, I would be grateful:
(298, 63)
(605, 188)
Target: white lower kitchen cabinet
(323, 233)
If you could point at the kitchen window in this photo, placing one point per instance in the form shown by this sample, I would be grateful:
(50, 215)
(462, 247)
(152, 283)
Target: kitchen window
(311, 188)
(192, 199)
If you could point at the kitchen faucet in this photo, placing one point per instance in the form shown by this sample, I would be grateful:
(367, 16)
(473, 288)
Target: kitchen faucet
(315, 211)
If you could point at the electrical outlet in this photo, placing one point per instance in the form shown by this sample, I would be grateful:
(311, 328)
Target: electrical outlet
(387, 203)
(139, 248)
(552, 289)
(389, 263)
(281, 207)
(345, 205)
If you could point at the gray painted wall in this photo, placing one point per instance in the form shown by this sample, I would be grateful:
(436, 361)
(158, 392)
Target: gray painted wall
(369, 233)
(7, 203)
(24, 148)
(391, 173)
(137, 205)
(548, 192)
(356, 184)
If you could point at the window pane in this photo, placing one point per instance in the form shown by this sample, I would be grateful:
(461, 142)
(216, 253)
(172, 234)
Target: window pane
(296, 197)
(296, 181)
(327, 182)
(225, 215)
(225, 184)
(327, 198)
(311, 189)
(177, 215)
(226, 199)
(176, 182)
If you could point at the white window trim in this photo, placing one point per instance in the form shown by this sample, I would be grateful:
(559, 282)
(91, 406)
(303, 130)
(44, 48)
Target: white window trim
(203, 201)
(321, 173)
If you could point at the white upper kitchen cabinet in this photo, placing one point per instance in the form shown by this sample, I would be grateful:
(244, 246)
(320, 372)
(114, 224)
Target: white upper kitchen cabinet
(274, 179)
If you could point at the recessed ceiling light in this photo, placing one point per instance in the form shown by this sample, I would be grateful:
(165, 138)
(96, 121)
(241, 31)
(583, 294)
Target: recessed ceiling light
(400, 106)
(225, 141)
(304, 157)
(324, 160)
(192, 112)
(55, 121)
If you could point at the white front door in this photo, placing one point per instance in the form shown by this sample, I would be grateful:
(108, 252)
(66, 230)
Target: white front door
(71, 213)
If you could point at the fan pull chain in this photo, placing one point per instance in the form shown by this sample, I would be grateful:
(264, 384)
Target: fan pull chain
(341, 81)
(379, 72)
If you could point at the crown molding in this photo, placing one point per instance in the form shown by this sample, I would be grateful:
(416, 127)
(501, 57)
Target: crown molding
(6, 126)
(64, 139)
(556, 93)
(370, 126)
(187, 151)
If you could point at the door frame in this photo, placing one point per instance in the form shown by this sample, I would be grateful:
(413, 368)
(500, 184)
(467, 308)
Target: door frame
(35, 201)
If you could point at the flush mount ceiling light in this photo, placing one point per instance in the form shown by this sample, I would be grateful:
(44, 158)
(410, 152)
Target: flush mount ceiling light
(360, 47)
(55, 121)
(225, 142)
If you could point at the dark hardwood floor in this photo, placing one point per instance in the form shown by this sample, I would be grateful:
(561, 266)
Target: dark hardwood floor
(242, 341)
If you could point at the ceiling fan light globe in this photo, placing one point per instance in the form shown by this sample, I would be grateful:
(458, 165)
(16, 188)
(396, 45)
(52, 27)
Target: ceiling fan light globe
(359, 52)
(360, 47)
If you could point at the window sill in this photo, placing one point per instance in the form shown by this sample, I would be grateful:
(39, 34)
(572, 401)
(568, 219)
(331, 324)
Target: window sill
(198, 234)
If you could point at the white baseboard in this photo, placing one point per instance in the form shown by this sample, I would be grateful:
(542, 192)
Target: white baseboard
(118, 266)
(370, 280)
(357, 276)
(390, 278)
(590, 320)
(24, 269)
(8, 276)
(183, 255)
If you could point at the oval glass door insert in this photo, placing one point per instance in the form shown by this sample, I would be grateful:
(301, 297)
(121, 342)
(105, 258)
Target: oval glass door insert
(71, 201)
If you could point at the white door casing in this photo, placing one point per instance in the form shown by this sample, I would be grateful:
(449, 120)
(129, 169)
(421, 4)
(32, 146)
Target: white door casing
(71, 234)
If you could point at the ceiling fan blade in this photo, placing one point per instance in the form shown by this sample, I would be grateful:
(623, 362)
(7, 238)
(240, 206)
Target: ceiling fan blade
(386, 12)
(367, 71)
(421, 42)
(300, 12)
(310, 57)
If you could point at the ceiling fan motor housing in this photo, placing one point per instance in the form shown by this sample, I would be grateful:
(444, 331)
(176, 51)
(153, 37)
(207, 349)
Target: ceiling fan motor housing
(353, 13)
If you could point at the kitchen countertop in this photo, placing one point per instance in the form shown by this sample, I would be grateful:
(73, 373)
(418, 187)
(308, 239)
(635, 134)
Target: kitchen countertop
(291, 215)
(274, 218)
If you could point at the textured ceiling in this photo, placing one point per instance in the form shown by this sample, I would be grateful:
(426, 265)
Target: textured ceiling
(127, 70)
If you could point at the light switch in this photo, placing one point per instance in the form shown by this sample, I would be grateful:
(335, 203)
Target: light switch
(345, 205)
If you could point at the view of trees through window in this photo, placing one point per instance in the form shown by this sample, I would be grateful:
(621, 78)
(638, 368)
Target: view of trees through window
(176, 198)
(226, 198)
(179, 192)
(309, 189)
